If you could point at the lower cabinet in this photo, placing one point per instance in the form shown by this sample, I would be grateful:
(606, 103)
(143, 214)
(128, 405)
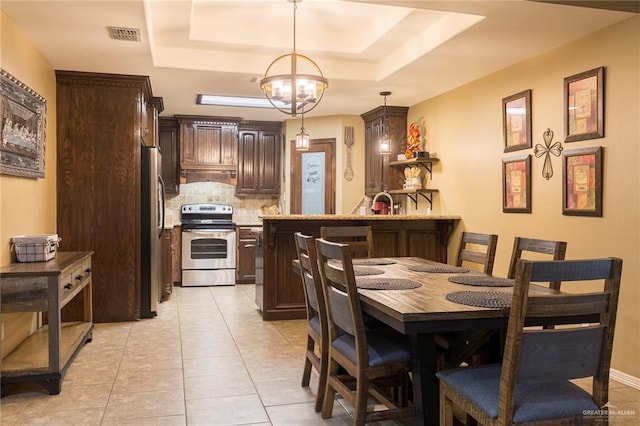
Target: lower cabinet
(176, 263)
(246, 255)
(166, 264)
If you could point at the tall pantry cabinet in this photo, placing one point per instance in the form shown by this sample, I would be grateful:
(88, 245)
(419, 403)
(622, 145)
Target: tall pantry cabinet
(102, 121)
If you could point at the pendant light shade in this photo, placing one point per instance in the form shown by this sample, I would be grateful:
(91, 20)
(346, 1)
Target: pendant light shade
(293, 81)
(384, 144)
(302, 137)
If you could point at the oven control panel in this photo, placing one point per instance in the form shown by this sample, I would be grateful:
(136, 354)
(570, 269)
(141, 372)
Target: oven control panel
(207, 208)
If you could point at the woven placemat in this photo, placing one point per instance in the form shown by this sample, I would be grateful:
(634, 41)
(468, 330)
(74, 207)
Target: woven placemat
(372, 261)
(482, 280)
(437, 267)
(386, 284)
(359, 271)
(481, 299)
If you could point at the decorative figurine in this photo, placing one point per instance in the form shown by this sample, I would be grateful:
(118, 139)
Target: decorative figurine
(413, 140)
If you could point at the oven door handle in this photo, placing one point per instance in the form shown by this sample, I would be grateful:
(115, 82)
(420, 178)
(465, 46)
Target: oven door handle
(207, 231)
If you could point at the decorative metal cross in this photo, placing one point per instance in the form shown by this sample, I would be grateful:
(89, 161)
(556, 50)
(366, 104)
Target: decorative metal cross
(555, 149)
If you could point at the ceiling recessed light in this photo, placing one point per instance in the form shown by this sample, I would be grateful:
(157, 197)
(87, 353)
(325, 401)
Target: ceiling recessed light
(233, 101)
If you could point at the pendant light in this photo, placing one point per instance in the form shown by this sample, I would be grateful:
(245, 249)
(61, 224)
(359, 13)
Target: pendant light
(302, 137)
(293, 81)
(384, 145)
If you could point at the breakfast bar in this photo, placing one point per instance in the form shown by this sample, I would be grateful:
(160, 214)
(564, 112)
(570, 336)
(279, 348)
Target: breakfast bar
(279, 294)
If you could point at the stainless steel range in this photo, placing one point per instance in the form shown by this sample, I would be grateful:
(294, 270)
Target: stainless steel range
(208, 245)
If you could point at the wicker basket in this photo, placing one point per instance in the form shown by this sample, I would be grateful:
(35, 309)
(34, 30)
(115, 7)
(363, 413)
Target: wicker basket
(35, 248)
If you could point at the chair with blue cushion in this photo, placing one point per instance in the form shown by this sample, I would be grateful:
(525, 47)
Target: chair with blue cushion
(533, 383)
(317, 352)
(368, 355)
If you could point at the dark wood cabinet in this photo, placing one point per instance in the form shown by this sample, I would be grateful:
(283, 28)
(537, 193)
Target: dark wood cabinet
(246, 255)
(259, 158)
(99, 128)
(168, 140)
(377, 177)
(176, 262)
(166, 264)
(208, 143)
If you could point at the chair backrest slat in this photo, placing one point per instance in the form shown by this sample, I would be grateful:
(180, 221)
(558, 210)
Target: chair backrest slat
(469, 250)
(359, 238)
(560, 354)
(557, 250)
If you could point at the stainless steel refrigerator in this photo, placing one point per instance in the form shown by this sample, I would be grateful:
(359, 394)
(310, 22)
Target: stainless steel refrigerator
(152, 213)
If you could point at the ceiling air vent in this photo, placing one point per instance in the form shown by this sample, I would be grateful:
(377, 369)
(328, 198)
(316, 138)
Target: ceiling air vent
(125, 34)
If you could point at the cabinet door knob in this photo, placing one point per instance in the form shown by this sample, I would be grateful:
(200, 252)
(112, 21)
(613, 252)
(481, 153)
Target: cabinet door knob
(68, 286)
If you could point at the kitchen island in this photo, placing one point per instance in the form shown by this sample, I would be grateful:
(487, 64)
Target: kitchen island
(279, 293)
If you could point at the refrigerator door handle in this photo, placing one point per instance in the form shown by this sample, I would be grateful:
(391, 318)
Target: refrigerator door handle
(161, 210)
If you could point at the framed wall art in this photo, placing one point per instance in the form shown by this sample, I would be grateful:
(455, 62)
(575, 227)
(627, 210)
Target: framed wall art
(516, 184)
(584, 105)
(582, 182)
(22, 128)
(516, 121)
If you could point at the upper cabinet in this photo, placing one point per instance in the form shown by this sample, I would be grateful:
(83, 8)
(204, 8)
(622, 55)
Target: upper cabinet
(259, 158)
(377, 177)
(208, 143)
(168, 142)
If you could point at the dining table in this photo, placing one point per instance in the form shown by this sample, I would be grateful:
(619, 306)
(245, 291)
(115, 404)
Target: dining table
(429, 303)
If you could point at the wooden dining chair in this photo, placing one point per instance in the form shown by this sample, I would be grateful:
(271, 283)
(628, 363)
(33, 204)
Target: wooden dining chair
(359, 238)
(556, 249)
(478, 249)
(533, 383)
(368, 355)
(317, 352)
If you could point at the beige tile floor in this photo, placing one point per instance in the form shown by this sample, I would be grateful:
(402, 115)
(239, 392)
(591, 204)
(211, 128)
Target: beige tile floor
(207, 359)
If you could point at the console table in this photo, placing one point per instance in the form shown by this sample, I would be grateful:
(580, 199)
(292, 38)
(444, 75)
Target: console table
(48, 287)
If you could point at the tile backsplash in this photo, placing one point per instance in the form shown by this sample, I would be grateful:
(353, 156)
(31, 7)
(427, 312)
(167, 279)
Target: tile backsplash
(245, 210)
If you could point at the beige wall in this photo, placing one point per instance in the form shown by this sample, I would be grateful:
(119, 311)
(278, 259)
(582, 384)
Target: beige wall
(464, 127)
(28, 205)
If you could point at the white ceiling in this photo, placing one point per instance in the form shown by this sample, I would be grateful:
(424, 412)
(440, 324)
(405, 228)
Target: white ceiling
(415, 49)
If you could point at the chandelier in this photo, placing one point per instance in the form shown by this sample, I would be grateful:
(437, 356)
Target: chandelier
(293, 81)
(384, 145)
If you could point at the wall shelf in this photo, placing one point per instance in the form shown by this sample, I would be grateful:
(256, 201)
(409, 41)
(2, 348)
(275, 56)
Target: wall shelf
(427, 163)
(413, 194)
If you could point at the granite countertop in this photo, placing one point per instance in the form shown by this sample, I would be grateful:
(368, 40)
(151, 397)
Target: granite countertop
(358, 217)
